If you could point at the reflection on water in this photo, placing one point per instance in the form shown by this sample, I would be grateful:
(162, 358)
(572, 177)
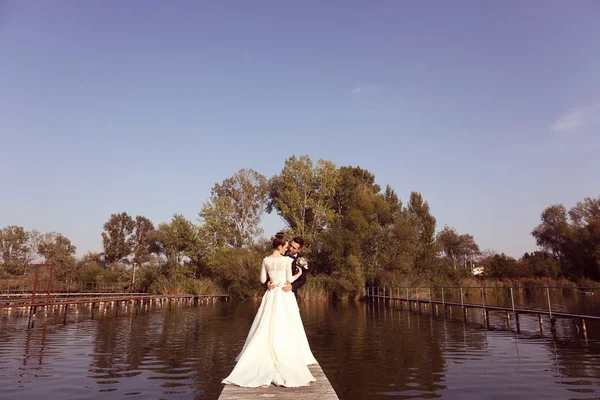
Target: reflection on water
(368, 351)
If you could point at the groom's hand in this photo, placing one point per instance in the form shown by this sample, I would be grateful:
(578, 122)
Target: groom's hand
(287, 287)
(270, 285)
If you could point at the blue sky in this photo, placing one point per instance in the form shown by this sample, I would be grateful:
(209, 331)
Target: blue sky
(490, 109)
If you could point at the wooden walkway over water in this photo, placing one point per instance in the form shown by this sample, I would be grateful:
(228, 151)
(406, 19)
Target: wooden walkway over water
(28, 304)
(321, 389)
(66, 299)
(434, 307)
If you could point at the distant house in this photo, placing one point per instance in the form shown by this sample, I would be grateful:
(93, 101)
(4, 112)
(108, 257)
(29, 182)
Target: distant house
(477, 270)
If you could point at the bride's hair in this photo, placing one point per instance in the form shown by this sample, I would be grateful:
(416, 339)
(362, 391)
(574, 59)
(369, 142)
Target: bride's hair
(279, 239)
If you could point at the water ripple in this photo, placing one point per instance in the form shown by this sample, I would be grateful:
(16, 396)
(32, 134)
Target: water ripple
(367, 352)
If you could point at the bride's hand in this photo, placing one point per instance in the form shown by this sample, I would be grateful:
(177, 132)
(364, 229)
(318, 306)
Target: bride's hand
(297, 275)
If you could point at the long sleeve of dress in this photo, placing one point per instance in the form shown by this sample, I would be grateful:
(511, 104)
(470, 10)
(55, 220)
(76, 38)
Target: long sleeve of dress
(289, 276)
(263, 272)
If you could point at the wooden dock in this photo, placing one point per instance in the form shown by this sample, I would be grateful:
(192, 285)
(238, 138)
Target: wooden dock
(387, 294)
(68, 299)
(319, 390)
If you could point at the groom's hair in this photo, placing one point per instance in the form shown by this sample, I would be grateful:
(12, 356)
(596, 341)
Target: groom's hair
(279, 239)
(299, 240)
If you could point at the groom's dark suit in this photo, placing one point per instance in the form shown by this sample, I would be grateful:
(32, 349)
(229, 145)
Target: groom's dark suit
(298, 283)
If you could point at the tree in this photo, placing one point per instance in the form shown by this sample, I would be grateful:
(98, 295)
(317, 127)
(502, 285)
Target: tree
(117, 237)
(584, 249)
(141, 242)
(58, 251)
(232, 215)
(14, 249)
(424, 222)
(349, 180)
(303, 196)
(552, 234)
(175, 241)
(502, 266)
(370, 232)
(541, 263)
(34, 242)
(457, 247)
(573, 238)
(343, 241)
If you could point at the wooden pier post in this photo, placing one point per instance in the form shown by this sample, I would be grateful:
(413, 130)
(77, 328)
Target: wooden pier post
(462, 303)
(483, 303)
(549, 306)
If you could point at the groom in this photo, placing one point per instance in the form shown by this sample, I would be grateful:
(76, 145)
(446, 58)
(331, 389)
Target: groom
(294, 252)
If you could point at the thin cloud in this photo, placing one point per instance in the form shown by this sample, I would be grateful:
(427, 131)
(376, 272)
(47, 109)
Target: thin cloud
(576, 119)
(365, 88)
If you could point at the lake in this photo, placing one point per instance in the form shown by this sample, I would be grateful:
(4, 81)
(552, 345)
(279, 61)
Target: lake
(367, 350)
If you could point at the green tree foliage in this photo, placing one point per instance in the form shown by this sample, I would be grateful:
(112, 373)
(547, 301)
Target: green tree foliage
(542, 264)
(303, 195)
(238, 269)
(14, 249)
(89, 267)
(457, 248)
(232, 215)
(572, 238)
(176, 241)
(355, 233)
(370, 232)
(58, 251)
(141, 242)
(502, 266)
(420, 215)
(117, 237)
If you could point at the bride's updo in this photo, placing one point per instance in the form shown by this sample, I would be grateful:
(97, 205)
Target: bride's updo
(279, 239)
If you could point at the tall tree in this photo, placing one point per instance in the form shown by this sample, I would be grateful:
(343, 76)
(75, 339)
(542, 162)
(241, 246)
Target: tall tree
(424, 222)
(457, 247)
(176, 241)
(573, 238)
(303, 195)
(14, 248)
(368, 234)
(554, 231)
(58, 250)
(34, 242)
(232, 215)
(141, 242)
(584, 251)
(116, 237)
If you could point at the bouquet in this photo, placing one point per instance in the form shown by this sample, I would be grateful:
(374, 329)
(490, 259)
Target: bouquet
(302, 263)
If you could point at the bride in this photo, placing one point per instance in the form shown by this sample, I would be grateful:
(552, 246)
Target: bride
(276, 349)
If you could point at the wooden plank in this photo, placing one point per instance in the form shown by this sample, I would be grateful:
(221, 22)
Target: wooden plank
(60, 302)
(496, 308)
(321, 389)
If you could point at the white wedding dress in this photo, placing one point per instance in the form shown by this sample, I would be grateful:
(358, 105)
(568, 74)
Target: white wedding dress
(276, 349)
